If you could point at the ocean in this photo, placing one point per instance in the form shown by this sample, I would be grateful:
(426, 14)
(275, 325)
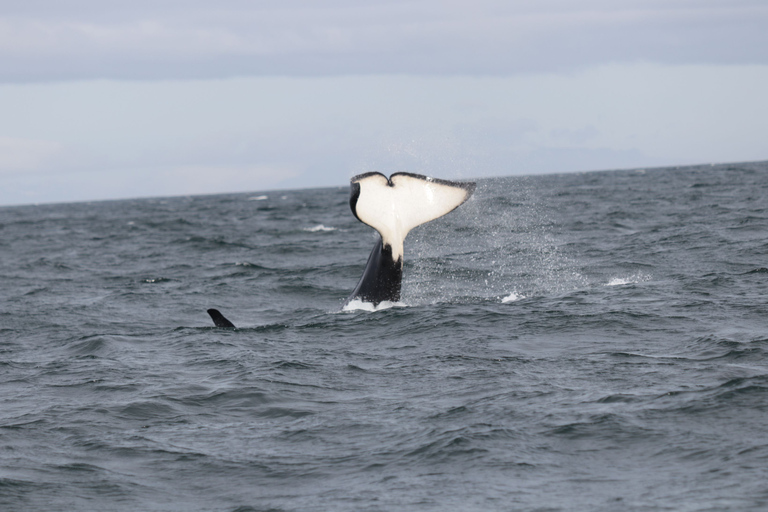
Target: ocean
(588, 341)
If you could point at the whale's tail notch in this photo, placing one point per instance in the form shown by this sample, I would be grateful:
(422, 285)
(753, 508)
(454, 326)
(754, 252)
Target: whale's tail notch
(394, 206)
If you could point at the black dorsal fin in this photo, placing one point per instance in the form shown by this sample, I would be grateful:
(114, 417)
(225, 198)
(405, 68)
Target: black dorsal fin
(219, 320)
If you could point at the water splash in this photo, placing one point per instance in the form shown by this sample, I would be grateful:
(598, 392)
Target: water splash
(359, 305)
(503, 238)
(512, 297)
(633, 279)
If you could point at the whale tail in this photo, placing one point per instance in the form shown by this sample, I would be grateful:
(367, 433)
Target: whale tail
(394, 206)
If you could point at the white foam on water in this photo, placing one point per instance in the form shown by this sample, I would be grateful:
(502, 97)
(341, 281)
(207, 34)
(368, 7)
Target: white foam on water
(319, 227)
(512, 297)
(258, 198)
(359, 305)
(620, 281)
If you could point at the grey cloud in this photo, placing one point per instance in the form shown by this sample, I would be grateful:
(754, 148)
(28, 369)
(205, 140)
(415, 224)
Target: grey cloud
(87, 39)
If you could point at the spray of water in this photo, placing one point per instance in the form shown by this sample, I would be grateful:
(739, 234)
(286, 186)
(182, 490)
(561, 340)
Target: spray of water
(498, 246)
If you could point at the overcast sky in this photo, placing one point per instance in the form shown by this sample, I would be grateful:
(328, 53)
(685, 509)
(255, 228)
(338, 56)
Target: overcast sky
(103, 99)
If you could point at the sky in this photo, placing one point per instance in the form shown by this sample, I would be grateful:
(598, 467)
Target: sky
(105, 99)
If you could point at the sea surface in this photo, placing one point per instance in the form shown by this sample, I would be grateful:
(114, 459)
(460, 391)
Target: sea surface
(594, 341)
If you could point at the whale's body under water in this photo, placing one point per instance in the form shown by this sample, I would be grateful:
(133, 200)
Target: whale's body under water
(591, 341)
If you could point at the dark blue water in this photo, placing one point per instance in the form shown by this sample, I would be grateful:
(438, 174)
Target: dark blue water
(592, 341)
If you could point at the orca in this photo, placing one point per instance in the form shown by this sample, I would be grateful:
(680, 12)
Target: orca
(394, 206)
(219, 320)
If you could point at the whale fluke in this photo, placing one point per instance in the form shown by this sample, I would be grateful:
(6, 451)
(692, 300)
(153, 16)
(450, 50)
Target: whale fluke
(219, 320)
(394, 206)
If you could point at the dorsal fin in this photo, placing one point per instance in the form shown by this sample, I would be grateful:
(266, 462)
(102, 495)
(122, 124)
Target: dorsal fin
(219, 320)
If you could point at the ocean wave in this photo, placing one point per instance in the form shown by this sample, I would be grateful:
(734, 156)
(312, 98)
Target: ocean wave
(525, 359)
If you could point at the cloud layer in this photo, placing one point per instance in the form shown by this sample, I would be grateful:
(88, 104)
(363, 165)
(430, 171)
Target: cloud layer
(42, 40)
(108, 139)
(107, 99)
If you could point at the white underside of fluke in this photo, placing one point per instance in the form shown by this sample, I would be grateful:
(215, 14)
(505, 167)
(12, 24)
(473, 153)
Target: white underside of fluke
(411, 200)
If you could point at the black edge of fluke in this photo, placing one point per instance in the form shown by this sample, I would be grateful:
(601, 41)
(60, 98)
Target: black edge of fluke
(219, 320)
(354, 195)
